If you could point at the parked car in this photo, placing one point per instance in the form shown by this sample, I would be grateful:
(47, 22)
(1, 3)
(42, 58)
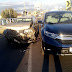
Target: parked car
(3, 22)
(25, 30)
(56, 32)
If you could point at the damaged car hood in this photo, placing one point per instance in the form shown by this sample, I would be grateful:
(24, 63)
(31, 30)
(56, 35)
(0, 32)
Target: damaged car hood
(18, 26)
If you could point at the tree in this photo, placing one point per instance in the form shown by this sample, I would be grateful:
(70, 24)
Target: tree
(9, 13)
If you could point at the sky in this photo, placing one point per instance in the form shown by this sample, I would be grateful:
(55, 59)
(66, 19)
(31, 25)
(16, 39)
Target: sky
(19, 5)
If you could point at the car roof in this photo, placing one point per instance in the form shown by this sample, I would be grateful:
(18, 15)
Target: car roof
(58, 11)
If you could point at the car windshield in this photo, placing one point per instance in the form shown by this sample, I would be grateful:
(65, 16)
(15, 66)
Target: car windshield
(58, 17)
(24, 20)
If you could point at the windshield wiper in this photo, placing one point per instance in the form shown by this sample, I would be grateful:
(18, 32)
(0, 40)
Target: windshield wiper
(50, 23)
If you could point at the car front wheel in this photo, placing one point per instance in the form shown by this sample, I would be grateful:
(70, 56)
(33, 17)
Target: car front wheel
(44, 49)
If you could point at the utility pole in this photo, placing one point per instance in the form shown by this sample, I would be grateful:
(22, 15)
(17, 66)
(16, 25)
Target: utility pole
(24, 7)
(9, 14)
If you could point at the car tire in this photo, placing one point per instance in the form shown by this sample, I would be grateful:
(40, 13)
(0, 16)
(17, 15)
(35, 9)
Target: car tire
(43, 49)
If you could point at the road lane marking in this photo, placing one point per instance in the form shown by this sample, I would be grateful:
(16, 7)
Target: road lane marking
(30, 60)
(51, 64)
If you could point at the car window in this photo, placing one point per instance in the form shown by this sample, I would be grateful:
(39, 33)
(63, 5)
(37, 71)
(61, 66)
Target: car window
(19, 20)
(28, 20)
(59, 17)
(63, 19)
(24, 20)
(51, 19)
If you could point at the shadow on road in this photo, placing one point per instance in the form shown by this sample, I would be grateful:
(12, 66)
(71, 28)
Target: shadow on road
(57, 63)
(11, 55)
(45, 67)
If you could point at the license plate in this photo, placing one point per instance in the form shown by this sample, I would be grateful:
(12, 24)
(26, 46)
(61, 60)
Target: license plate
(70, 49)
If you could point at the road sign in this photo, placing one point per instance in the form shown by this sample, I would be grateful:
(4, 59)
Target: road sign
(71, 2)
(68, 4)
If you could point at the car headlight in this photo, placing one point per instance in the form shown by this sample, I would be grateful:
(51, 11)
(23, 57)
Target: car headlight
(61, 37)
(51, 35)
(28, 31)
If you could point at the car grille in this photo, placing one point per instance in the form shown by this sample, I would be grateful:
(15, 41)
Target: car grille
(67, 40)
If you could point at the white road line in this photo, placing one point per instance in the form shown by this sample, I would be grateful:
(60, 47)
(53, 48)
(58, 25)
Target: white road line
(30, 60)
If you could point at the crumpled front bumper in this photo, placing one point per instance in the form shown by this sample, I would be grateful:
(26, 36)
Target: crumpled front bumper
(23, 38)
(20, 37)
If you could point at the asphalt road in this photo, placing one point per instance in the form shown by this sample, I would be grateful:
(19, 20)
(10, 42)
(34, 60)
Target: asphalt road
(28, 58)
